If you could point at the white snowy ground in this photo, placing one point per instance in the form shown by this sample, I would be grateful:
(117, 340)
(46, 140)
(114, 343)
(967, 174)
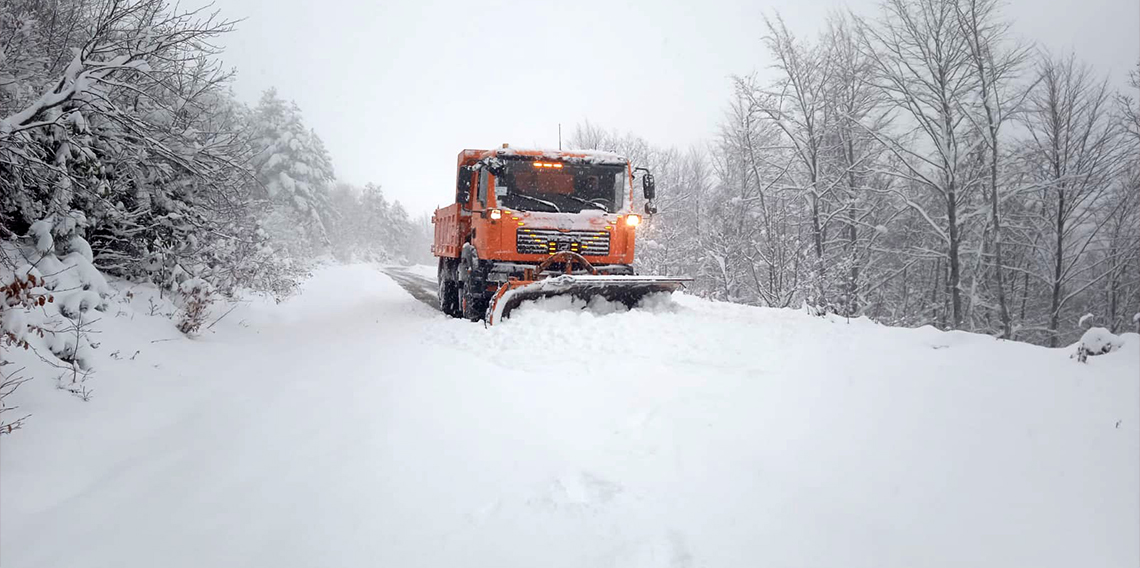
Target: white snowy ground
(355, 426)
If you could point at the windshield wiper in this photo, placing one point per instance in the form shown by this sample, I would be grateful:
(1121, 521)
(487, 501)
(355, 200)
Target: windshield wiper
(542, 201)
(580, 200)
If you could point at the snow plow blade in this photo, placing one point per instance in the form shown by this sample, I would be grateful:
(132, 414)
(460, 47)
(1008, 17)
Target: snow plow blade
(625, 289)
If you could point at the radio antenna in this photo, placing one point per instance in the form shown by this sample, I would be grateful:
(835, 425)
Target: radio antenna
(559, 136)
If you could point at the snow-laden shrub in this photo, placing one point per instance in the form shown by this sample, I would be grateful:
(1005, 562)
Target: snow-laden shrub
(52, 293)
(813, 307)
(197, 295)
(1097, 341)
(18, 297)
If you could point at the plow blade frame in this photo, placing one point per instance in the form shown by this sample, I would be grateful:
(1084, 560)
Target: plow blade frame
(625, 289)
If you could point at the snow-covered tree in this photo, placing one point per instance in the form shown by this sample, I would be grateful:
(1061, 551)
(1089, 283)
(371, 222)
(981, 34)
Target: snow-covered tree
(121, 111)
(293, 166)
(922, 64)
(370, 228)
(1074, 155)
(877, 174)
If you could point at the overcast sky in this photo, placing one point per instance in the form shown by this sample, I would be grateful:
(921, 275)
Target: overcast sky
(397, 89)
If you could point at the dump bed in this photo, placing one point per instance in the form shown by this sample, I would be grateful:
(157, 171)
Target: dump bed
(451, 225)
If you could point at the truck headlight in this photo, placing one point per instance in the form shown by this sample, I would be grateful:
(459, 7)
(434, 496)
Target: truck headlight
(496, 214)
(633, 220)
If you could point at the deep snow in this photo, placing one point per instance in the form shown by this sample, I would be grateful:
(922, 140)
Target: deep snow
(355, 426)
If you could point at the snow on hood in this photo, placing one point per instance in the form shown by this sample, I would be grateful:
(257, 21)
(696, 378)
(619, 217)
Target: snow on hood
(587, 220)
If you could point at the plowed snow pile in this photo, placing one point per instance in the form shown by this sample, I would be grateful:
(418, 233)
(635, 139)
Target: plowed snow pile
(355, 426)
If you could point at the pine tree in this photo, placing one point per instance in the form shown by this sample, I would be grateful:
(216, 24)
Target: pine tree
(296, 172)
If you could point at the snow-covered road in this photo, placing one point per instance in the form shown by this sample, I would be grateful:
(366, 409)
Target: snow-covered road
(415, 282)
(356, 426)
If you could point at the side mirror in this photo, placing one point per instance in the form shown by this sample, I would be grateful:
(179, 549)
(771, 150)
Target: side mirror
(463, 185)
(648, 187)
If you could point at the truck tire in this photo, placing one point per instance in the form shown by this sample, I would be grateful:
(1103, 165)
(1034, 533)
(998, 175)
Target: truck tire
(448, 291)
(472, 295)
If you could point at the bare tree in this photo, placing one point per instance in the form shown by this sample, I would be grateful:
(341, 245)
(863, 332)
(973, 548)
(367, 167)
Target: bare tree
(851, 154)
(996, 66)
(1074, 151)
(923, 68)
(757, 230)
(913, 168)
(797, 105)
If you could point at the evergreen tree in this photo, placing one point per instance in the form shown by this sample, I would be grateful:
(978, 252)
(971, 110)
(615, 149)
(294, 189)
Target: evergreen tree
(296, 172)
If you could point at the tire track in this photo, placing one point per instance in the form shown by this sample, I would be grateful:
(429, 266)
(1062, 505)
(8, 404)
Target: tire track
(422, 289)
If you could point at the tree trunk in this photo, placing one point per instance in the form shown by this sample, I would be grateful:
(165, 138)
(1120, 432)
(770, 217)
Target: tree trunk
(995, 214)
(1024, 295)
(955, 276)
(1113, 288)
(1058, 261)
(934, 290)
(905, 291)
(853, 232)
(853, 276)
(817, 237)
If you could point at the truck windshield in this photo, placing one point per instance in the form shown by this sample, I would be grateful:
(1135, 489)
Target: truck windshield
(560, 187)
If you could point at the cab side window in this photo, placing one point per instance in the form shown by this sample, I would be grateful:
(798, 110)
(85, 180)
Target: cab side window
(463, 185)
(483, 179)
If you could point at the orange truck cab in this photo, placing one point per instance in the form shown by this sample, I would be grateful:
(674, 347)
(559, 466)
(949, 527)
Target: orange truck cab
(515, 209)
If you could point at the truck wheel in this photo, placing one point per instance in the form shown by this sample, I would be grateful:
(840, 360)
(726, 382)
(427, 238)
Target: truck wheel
(472, 296)
(448, 292)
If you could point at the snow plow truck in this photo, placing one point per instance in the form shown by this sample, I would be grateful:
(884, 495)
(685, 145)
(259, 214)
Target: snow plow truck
(529, 224)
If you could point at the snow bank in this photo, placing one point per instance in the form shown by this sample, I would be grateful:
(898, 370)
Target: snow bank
(352, 425)
(1098, 341)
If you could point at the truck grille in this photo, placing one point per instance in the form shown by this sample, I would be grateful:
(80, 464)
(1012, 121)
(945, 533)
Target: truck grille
(546, 241)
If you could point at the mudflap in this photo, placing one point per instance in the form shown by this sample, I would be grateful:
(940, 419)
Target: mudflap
(625, 289)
